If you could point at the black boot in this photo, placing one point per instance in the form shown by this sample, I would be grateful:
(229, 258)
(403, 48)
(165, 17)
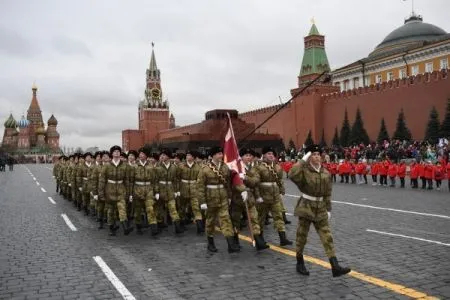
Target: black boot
(283, 240)
(178, 228)
(267, 222)
(200, 228)
(211, 246)
(232, 246)
(86, 210)
(260, 243)
(154, 229)
(236, 240)
(286, 221)
(336, 269)
(126, 229)
(112, 230)
(100, 226)
(139, 229)
(183, 225)
(301, 265)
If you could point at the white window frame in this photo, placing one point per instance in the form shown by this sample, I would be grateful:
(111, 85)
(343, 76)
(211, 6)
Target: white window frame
(390, 76)
(356, 82)
(429, 67)
(367, 80)
(443, 63)
(378, 78)
(414, 70)
(346, 85)
(402, 73)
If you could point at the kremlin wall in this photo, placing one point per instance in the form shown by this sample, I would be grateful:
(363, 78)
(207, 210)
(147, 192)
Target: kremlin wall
(409, 71)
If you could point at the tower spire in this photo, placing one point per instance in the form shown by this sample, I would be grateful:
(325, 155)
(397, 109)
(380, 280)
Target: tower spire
(153, 68)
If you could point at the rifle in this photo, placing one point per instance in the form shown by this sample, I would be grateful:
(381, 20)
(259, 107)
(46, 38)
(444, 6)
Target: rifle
(249, 221)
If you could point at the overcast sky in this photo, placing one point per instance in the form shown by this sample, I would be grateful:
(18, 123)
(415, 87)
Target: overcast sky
(88, 58)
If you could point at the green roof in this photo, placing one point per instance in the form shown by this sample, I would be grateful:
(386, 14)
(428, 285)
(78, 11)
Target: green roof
(314, 30)
(315, 59)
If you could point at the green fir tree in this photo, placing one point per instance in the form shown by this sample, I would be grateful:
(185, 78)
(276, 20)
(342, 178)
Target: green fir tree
(323, 143)
(401, 131)
(359, 134)
(383, 134)
(445, 127)
(336, 141)
(345, 131)
(432, 133)
(309, 140)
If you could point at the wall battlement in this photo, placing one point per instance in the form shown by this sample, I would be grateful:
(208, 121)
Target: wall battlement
(267, 109)
(411, 81)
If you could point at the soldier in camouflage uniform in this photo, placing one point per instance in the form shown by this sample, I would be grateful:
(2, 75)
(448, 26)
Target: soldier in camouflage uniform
(131, 165)
(237, 207)
(271, 188)
(187, 174)
(314, 206)
(166, 190)
(55, 172)
(83, 171)
(70, 179)
(154, 160)
(93, 202)
(142, 192)
(113, 188)
(94, 186)
(214, 194)
(77, 182)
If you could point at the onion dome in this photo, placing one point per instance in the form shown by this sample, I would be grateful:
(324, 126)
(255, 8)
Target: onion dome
(10, 122)
(40, 130)
(23, 123)
(52, 121)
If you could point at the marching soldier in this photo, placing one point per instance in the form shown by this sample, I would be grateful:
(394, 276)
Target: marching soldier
(113, 188)
(55, 172)
(95, 165)
(314, 206)
(166, 190)
(142, 193)
(131, 166)
(77, 182)
(70, 168)
(82, 181)
(214, 194)
(238, 207)
(187, 174)
(271, 187)
(95, 179)
(154, 160)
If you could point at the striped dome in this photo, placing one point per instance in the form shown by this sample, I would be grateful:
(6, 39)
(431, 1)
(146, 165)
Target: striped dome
(10, 122)
(23, 122)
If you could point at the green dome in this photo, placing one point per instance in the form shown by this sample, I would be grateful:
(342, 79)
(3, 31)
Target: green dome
(10, 122)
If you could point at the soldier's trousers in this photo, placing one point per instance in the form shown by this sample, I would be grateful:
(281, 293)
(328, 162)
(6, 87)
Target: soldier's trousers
(221, 213)
(86, 199)
(100, 207)
(167, 201)
(184, 203)
(276, 209)
(323, 230)
(141, 206)
(116, 208)
(237, 209)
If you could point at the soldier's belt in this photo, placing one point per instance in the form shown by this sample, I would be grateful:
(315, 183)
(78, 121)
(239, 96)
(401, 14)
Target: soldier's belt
(268, 183)
(312, 198)
(115, 181)
(85, 178)
(188, 181)
(142, 182)
(165, 182)
(214, 186)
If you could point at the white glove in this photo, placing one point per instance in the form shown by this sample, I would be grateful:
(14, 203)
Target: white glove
(157, 197)
(175, 194)
(203, 206)
(306, 156)
(131, 198)
(242, 176)
(80, 189)
(95, 197)
(53, 176)
(70, 184)
(329, 215)
(179, 194)
(229, 201)
(244, 195)
(259, 200)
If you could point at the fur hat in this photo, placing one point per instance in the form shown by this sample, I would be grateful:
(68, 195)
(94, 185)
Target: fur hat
(268, 149)
(87, 154)
(114, 148)
(155, 156)
(134, 152)
(313, 148)
(98, 153)
(245, 151)
(167, 152)
(180, 156)
(215, 150)
(144, 150)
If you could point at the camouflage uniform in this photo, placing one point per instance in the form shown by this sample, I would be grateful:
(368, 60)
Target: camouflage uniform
(316, 185)
(113, 188)
(166, 186)
(83, 171)
(55, 172)
(131, 168)
(142, 191)
(187, 177)
(99, 204)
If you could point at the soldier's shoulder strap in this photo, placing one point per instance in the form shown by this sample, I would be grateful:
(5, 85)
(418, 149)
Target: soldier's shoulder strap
(273, 171)
(216, 171)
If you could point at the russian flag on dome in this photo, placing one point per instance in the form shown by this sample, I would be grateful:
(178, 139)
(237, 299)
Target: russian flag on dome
(231, 154)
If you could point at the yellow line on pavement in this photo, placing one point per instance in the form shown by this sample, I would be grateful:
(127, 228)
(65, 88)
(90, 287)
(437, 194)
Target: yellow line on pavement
(396, 288)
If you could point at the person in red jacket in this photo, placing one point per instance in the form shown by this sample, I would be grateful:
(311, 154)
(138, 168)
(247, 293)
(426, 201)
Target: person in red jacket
(352, 171)
(382, 170)
(428, 174)
(365, 170)
(414, 174)
(421, 171)
(392, 173)
(333, 171)
(401, 173)
(359, 169)
(439, 174)
(448, 174)
(374, 172)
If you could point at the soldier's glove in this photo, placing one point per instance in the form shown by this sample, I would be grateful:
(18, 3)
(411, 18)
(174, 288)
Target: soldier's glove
(157, 197)
(131, 198)
(70, 184)
(306, 156)
(80, 189)
(259, 200)
(329, 215)
(53, 176)
(91, 194)
(95, 197)
(244, 195)
(179, 194)
(203, 206)
(242, 176)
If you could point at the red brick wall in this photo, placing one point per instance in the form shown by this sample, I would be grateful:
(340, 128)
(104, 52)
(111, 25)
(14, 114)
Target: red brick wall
(152, 121)
(132, 139)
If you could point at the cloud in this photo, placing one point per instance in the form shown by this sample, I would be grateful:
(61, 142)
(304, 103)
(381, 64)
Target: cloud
(70, 46)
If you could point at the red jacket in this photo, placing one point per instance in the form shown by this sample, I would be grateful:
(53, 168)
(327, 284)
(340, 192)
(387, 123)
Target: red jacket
(392, 170)
(414, 171)
(439, 172)
(421, 170)
(401, 170)
(383, 168)
(428, 171)
(448, 170)
(360, 168)
(374, 169)
(333, 168)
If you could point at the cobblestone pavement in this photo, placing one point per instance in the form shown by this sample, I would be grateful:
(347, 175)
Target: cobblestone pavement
(397, 241)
